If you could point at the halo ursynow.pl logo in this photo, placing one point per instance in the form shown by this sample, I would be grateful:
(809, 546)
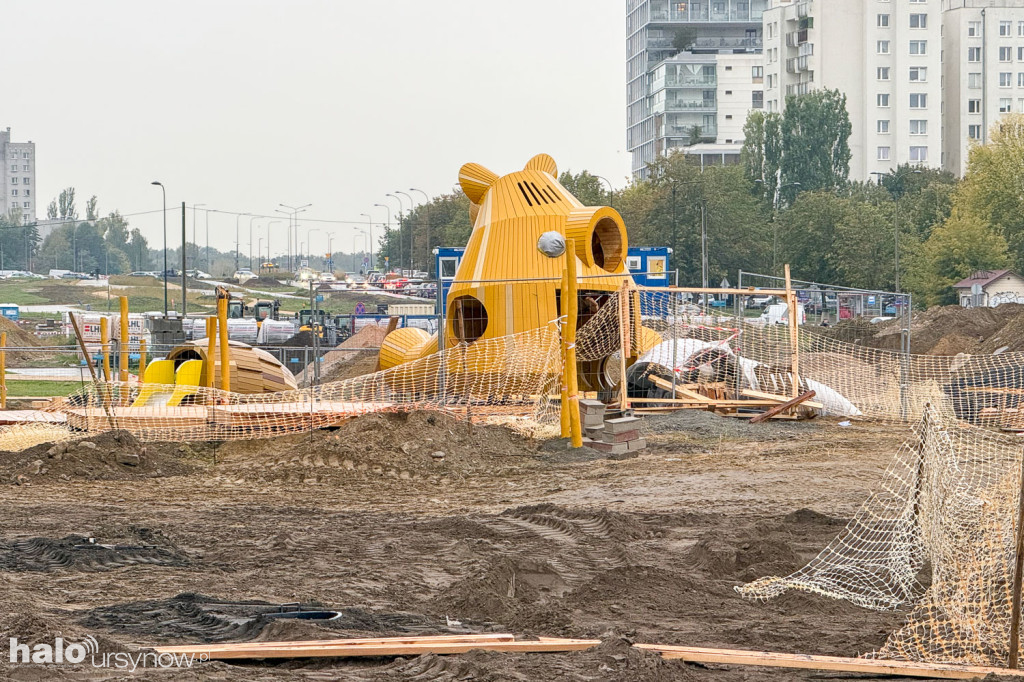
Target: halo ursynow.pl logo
(58, 652)
(76, 652)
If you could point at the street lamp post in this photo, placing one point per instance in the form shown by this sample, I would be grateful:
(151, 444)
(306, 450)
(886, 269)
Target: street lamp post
(896, 178)
(250, 240)
(259, 252)
(776, 198)
(369, 223)
(387, 225)
(611, 190)
(163, 190)
(330, 253)
(401, 249)
(426, 218)
(272, 222)
(309, 243)
(195, 244)
(293, 213)
(412, 265)
(238, 217)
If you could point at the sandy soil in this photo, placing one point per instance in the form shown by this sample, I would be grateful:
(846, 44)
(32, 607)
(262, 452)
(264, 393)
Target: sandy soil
(407, 523)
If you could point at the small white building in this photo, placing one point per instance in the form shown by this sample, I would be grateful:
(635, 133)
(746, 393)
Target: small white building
(994, 287)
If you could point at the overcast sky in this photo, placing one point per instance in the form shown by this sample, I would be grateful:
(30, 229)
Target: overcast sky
(245, 105)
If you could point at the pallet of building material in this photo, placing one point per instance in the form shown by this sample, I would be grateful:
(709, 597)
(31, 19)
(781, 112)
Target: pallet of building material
(380, 646)
(136, 418)
(946, 671)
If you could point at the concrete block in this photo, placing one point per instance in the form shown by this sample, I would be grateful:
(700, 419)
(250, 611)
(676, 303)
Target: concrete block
(621, 425)
(591, 406)
(593, 420)
(623, 437)
(610, 448)
(638, 444)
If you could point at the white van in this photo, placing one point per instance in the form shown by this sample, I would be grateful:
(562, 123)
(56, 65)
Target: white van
(778, 313)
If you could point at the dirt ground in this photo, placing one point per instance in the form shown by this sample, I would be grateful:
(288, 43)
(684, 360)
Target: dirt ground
(413, 524)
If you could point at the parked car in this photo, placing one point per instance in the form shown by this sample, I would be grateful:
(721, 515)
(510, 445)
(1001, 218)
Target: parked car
(197, 274)
(778, 313)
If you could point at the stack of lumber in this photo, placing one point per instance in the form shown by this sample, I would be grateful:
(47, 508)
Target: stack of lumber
(945, 671)
(719, 398)
(614, 436)
(380, 646)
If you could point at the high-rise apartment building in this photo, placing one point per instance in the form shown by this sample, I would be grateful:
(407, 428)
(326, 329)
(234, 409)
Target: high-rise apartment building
(17, 178)
(884, 55)
(982, 73)
(670, 92)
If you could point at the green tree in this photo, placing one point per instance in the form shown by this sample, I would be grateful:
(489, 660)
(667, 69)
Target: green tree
(588, 188)
(959, 247)
(66, 204)
(51, 210)
(816, 141)
(684, 39)
(91, 210)
(138, 251)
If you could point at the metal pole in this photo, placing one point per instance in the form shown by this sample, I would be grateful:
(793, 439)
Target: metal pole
(250, 241)
(184, 264)
(238, 217)
(163, 190)
(412, 265)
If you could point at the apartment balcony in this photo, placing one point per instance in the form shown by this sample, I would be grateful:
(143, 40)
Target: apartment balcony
(737, 43)
(803, 9)
(691, 81)
(797, 64)
(703, 15)
(684, 132)
(684, 106)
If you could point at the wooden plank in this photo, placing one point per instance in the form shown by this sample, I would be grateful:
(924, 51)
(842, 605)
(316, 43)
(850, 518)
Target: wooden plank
(693, 396)
(778, 398)
(327, 648)
(364, 641)
(783, 407)
(31, 416)
(946, 671)
(92, 418)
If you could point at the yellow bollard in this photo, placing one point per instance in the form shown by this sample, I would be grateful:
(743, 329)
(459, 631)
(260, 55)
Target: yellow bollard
(142, 360)
(211, 352)
(225, 355)
(575, 427)
(122, 360)
(105, 344)
(3, 371)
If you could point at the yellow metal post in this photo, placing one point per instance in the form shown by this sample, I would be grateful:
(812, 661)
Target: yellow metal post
(3, 371)
(122, 361)
(566, 428)
(626, 350)
(794, 333)
(211, 349)
(142, 360)
(105, 345)
(575, 428)
(225, 356)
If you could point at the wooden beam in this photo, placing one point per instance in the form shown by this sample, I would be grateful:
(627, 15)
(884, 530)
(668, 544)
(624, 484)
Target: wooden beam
(405, 647)
(783, 407)
(778, 398)
(745, 291)
(946, 671)
(317, 643)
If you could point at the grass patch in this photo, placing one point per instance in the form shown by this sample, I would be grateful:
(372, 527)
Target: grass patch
(20, 388)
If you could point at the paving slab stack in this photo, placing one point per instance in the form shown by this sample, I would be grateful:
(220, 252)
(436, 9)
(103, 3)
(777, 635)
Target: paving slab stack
(617, 435)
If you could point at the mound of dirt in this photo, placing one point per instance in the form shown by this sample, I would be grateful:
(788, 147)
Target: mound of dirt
(348, 361)
(702, 424)
(403, 445)
(941, 330)
(112, 455)
(261, 282)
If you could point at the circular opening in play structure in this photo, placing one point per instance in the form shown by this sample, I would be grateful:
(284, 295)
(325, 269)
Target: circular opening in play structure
(469, 318)
(606, 244)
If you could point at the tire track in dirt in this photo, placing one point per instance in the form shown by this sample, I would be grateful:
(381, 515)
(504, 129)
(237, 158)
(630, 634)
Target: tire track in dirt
(75, 552)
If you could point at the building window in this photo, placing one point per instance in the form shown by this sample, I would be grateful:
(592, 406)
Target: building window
(14, 192)
(1005, 79)
(918, 21)
(883, 21)
(918, 100)
(919, 154)
(1004, 28)
(883, 153)
(757, 99)
(883, 73)
(24, 155)
(974, 81)
(883, 126)
(14, 181)
(1020, 54)
(25, 181)
(1005, 105)
(757, 73)
(882, 47)
(918, 74)
(974, 132)
(974, 54)
(28, 192)
(14, 168)
(974, 29)
(1020, 79)
(1006, 54)
(974, 106)
(918, 47)
(27, 204)
(25, 168)
(918, 127)
(882, 99)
